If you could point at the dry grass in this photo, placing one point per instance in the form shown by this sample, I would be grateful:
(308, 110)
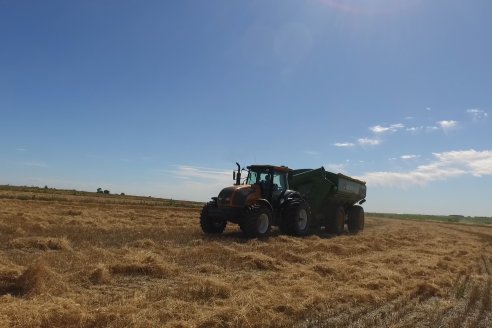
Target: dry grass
(90, 261)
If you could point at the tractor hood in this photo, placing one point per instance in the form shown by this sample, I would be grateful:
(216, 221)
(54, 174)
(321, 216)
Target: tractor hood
(238, 196)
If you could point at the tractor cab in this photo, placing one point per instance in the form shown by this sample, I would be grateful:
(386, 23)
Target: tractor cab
(272, 180)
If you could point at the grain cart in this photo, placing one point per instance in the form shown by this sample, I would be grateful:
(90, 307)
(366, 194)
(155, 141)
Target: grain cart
(293, 200)
(332, 198)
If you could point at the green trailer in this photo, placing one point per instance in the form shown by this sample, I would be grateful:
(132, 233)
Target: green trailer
(332, 198)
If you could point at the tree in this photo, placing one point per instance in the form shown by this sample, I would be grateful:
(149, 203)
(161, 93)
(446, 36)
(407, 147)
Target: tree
(99, 190)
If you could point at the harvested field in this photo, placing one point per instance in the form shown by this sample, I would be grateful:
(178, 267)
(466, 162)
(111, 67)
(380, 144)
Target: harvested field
(81, 261)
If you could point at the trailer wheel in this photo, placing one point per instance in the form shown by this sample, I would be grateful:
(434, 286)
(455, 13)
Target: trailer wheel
(210, 224)
(356, 219)
(296, 218)
(336, 222)
(257, 221)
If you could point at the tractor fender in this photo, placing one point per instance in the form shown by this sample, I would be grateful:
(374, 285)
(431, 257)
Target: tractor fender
(265, 202)
(290, 194)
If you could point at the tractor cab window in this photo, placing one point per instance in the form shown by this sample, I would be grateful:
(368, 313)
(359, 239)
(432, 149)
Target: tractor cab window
(260, 177)
(279, 183)
(252, 177)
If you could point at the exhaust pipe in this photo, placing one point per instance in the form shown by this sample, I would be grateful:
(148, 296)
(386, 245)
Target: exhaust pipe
(238, 175)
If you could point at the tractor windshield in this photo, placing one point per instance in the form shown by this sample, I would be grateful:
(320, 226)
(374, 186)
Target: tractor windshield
(257, 177)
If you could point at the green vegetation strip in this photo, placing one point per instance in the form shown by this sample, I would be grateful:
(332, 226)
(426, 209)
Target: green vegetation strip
(438, 218)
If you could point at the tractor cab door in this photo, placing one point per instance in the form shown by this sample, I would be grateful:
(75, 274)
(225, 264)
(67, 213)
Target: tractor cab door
(279, 186)
(265, 182)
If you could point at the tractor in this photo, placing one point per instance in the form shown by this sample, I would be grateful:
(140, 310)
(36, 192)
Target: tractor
(261, 201)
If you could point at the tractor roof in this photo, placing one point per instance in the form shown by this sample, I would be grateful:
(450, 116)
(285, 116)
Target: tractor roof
(270, 167)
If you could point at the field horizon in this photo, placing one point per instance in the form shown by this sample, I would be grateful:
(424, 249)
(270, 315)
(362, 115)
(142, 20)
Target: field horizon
(452, 218)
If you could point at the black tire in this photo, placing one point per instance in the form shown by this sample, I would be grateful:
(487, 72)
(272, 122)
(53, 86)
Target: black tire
(296, 218)
(356, 219)
(257, 221)
(211, 225)
(335, 223)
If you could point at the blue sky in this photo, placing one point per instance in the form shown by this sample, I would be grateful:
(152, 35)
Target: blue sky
(161, 98)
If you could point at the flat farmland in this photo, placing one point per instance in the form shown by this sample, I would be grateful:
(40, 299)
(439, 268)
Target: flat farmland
(87, 260)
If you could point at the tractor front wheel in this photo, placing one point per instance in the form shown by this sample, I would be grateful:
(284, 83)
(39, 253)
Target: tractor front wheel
(209, 224)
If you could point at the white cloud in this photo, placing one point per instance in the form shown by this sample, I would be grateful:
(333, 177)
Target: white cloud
(445, 165)
(379, 129)
(477, 114)
(384, 129)
(447, 125)
(479, 163)
(409, 156)
(415, 129)
(368, 142)
(311, 152)
(343, 144)
(428, 109)
(335, 168)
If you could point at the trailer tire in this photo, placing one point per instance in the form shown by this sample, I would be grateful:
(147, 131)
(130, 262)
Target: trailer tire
(356, 219)
(335, 223)
(296, 218)
(257, 221)
(211, 225)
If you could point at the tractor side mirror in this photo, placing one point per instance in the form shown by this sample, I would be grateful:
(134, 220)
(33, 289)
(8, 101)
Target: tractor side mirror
(233, 175)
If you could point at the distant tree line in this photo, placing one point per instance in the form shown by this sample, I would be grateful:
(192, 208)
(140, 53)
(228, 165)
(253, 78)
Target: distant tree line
(105, 191)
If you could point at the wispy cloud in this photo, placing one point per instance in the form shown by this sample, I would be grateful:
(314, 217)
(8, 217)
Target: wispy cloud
(477, 114)
(415, 129)
(447, 125)
(201, 174)
(194, 182)
(343, 144)
(409, 156)
(444, 166)
(311, 152)
(368, 142)
(378, 129)
(21, 149)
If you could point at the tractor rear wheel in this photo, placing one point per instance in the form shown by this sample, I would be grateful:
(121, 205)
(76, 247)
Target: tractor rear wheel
(211, 225)
(257, 221)
(296, 218)
(336, 222)
(356, 219)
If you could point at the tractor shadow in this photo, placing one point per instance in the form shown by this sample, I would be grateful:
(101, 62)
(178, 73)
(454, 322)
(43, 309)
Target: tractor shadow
(238, 236)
